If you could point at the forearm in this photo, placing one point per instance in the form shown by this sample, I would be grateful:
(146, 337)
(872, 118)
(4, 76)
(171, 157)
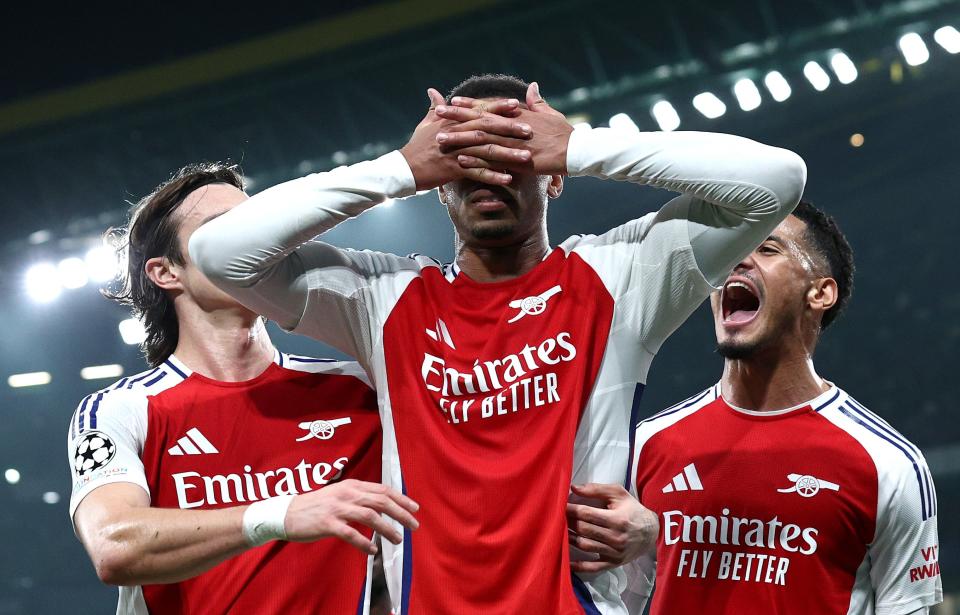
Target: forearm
(737, 190)
(724, 170)
(241, 245)
(143, 545)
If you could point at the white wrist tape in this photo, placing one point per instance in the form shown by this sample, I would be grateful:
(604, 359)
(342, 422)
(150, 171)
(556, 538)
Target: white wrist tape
(263, 521)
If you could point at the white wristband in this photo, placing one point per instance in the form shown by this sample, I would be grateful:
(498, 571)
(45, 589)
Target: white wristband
(263, 521)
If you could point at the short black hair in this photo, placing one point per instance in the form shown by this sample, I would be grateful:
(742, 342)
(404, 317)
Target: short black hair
(490, 85)
(832, 249)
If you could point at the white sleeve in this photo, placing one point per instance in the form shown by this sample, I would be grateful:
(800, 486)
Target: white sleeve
(260, 252)
(904, 556)
(735, 192)
(105, 441)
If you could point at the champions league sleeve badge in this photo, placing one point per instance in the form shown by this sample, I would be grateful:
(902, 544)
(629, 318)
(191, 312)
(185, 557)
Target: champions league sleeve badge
(94, 450)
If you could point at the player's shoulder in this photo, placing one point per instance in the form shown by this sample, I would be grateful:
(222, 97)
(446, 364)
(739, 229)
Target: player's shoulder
(319, 365)
(124, 400)
(668, 417)
(629, 232)
(890, 449)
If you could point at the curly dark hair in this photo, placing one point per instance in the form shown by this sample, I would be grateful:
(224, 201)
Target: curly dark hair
(152, 232)
(490, 85)
(831, 248)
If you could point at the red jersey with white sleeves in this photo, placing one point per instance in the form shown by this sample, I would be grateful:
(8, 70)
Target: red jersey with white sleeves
(195, 443)
(493, 397)
(823, 508)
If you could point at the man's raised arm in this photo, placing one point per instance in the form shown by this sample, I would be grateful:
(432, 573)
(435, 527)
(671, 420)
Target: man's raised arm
(256, 251)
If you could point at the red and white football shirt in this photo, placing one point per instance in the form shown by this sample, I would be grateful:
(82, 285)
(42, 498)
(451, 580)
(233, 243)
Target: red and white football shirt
(823, 508)
(493, 397)
(196, 443)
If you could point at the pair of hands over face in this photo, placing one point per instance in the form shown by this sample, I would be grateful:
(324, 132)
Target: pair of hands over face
(487, 140)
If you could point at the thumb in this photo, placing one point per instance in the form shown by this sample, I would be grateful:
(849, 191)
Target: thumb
(436, 98)
(535, 101)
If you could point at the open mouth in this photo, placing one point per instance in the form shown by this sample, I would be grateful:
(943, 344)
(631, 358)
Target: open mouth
(740, 301)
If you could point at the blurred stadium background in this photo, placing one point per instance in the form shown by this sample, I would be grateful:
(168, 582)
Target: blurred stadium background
(98, 106)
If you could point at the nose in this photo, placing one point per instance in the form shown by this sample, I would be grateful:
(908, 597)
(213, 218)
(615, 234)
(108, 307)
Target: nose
(746, 264)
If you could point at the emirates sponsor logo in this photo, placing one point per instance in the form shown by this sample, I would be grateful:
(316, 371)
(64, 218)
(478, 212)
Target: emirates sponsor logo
(195, 490)
(516, 382)
(731, 530)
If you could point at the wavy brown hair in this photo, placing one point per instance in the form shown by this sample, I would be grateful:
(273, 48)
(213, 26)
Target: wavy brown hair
(152, 232)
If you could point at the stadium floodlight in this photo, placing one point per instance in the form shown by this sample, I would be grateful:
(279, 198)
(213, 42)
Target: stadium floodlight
(843, 67)
(777, 86)
(43, 282)
(665, 115)
(96, 372)
(622, 121)
(102, 264)
(29, 379)
(913, 48)
(132, 331)
(72, 272)
(51, 497)
(12, 475)
(748, 96)
(709, 105)
(817, 77)
(949, 38)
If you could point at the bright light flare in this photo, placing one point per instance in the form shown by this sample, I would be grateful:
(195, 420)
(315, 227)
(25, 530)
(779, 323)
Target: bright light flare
(12, 475)
(817, 77)
(665, 115)
(51, 497)
(96, 372)
(72, 272)
(949, 38)
(843, 67)
(102, 264)
(43, 282)
(748, 96)
(622, 121)
(913, 48)
(132, 331)
(709, 105)
(29, 379)
(777, 86)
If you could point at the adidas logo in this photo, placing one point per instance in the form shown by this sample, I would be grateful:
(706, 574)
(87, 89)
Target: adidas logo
(688, 480)
(194, 443)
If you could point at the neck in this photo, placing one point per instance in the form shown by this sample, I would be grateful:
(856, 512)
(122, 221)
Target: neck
(229, 345)
(771, 381)
(494, 264)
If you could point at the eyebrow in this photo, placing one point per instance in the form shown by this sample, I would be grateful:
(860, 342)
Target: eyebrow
(775, 238)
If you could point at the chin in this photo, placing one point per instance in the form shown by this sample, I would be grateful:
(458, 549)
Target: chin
(737, 350)
(493, 230)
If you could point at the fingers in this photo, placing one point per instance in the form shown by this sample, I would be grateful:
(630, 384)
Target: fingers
(390, 507)
(436, 98)
(596, 516)
(598, 491)
(495, 153)
(488, 176)
(592, 546)
(450, 141)
(505, 108)
(350, 535)
(490, 124)
(372, 519)
(592, 566)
